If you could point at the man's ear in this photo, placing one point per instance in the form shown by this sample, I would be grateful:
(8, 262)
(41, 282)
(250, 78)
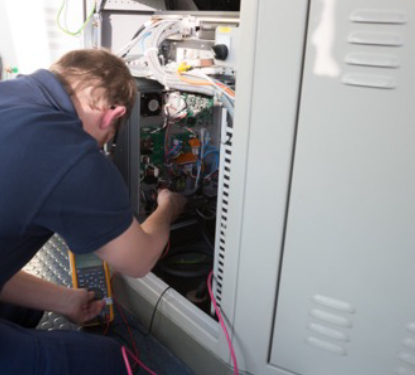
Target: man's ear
(111, 114)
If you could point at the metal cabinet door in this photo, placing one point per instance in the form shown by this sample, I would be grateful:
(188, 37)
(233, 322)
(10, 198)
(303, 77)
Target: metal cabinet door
(346, 302)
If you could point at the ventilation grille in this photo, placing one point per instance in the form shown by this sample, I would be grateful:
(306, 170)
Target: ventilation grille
(330, 324)
(406, 356)
(382, 39)
(223, 205)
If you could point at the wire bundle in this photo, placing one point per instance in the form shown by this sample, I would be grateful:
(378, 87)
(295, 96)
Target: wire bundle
(195, 81)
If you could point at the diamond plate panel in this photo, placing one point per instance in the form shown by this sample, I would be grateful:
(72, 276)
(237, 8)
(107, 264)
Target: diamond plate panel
(52, 264)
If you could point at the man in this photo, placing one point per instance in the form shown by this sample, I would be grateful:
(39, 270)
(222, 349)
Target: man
(54, 178)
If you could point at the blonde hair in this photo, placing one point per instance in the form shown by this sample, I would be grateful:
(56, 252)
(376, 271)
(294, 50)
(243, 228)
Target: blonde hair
(108, 78)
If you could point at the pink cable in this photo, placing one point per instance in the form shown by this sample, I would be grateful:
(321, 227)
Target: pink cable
(123, 316)
(222, 323)
(125, 352)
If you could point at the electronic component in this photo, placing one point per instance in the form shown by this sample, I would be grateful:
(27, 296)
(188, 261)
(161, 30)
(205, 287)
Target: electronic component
(91, 273)
(151, 104)
(181, 153)
(185, 70)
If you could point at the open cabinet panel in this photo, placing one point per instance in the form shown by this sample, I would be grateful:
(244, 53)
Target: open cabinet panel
(156, 152)
(179, 136)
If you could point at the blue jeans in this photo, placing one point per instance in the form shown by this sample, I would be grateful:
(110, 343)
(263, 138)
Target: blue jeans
(26, 351)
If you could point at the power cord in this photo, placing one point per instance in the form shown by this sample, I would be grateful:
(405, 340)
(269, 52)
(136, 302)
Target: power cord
(124, 350)
(125, 353)
(222, 323)
(150, 327)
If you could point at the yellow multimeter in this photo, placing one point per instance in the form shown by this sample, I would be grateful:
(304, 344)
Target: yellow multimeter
(91, 273)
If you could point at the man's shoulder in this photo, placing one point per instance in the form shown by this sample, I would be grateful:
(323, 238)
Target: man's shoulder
(40, 88)
(28, 122)
(20, 112)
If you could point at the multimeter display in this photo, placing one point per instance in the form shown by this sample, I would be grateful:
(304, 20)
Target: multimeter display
(87, 260)
(91, 273)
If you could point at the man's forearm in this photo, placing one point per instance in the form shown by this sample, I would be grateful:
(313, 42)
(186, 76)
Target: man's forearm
(27, 290)
(158, 223)
(157, 226)
(136, 251)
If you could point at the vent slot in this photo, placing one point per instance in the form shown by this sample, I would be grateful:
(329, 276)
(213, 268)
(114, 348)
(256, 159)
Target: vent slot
(406, 357)
(383, 38)
(223, 209)
(379, 16)
(330, 324)
(375, 38)
(372, 59)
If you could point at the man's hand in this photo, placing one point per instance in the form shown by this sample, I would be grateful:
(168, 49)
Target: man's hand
(175, 201)
(136, 251)
(29, 291)
(81, 306)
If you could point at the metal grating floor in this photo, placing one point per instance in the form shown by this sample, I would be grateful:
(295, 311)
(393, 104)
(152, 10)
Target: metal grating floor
(52, 263)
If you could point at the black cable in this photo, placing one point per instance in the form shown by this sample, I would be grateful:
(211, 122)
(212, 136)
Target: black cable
(181, 262)
(142, 28)
(205, 233)
(203, 222)
(187, 250)
(150, 327)
(201, 290)
(138, 32)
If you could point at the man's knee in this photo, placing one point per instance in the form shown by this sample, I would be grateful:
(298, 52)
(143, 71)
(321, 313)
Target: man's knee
(84, 353)
(24, 317)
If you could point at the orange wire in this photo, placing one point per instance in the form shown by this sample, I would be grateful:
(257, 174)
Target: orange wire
(227, 89)
(204, 83)
(192, 82)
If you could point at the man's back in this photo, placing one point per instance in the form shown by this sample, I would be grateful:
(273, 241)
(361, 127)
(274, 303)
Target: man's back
(42, 142)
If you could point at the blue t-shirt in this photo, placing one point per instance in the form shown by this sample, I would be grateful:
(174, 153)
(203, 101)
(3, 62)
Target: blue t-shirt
(53, 176)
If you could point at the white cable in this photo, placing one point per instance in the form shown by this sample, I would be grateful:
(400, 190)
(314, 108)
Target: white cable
(148, 27)
(161, 31)
(199, 74)
(199, 169)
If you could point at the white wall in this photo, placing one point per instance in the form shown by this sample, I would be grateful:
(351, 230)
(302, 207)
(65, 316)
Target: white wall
(29, 36)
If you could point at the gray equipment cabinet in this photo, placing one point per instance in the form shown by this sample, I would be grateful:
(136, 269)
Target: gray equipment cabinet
(318, 269)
